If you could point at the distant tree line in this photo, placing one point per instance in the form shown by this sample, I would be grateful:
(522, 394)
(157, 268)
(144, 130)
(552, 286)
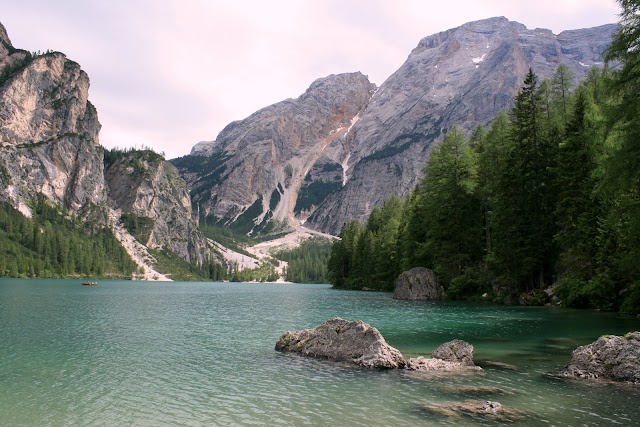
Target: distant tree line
(14, 67)
(549, 194)
(132, 153)
(264, 273)
(308, 262)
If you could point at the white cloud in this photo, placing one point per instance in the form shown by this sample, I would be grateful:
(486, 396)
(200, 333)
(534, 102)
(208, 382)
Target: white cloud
(169, 74)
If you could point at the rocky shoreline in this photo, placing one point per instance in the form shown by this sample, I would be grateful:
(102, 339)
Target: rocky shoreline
(608, 359)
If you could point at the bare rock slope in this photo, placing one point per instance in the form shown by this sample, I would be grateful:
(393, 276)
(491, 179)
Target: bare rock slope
(149, 192)
(460, 77)
(280, 162)
(344, 147)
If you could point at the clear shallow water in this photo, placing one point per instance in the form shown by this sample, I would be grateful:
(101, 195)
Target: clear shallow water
(192, 354)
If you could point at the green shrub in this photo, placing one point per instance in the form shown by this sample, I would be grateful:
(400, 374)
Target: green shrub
(572, 292)
(472, 283)
(631, 304)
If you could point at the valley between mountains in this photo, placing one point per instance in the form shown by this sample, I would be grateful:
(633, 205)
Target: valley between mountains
(293, 171)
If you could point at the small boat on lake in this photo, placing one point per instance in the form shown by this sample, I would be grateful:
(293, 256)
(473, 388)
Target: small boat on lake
(89, 283)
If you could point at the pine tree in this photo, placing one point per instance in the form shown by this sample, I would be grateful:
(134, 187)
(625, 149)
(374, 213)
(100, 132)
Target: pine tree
(343, 254)
(491, 161)
(524, 201)
(562, 83)
(578, 209)
(453, 226)
(622, 169)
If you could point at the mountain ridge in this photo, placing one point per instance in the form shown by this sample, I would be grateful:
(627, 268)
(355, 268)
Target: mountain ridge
(49, 148)
(463, 77)
(266, 157)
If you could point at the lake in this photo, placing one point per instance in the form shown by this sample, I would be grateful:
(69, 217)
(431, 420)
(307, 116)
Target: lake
(194, 354)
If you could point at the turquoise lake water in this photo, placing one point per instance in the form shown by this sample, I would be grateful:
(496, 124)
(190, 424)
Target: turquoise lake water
(202, 354)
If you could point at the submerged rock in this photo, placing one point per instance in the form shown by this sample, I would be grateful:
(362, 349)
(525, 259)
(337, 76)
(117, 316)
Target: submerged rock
(476, 389)
(344, 341)
(476, 409)
(610, 357)
(418, 284)
(499, 365)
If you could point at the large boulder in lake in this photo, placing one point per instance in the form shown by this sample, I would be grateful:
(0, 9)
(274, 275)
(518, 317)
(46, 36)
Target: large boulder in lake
(452, 356)
(344, 341)
(611, 357)
(455, 351)
(419, 283)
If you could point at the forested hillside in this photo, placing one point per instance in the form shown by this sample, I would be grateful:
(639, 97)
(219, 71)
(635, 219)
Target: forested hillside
(54, 244)
(547, 195)
(308, 262)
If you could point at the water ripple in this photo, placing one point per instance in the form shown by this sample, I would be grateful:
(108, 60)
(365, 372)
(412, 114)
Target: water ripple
(202, 355)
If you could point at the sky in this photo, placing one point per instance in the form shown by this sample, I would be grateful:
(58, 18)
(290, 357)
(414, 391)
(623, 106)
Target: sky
(168, 74)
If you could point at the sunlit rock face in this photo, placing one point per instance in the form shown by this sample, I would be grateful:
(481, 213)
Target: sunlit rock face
(49, 149)
(279, 163)
(344, 147)
(48, 131)
(462, 77)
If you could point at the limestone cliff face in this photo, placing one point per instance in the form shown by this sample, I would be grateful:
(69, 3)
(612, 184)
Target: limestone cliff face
(462, 77)
(340, 149)
(48, 131)
(273, 165)
(149, 191)
(49, 148)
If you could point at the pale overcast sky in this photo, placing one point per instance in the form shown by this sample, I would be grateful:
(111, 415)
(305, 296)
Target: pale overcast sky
(167, 74)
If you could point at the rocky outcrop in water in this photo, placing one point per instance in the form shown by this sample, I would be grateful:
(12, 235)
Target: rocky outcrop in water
(343, 341)
(610, 357)
(426, 364)
(357, 342)
(455, 351)
(419, 283)
(456, 355)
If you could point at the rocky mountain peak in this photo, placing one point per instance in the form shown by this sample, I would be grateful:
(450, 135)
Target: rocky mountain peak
(344, 146)
(463, 77)
(257, 168)
(341, 85)
(4, 37)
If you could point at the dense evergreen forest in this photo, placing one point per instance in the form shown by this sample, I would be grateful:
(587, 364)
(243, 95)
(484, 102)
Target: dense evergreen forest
(549, 194)
(308, 262)
(51, 244)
